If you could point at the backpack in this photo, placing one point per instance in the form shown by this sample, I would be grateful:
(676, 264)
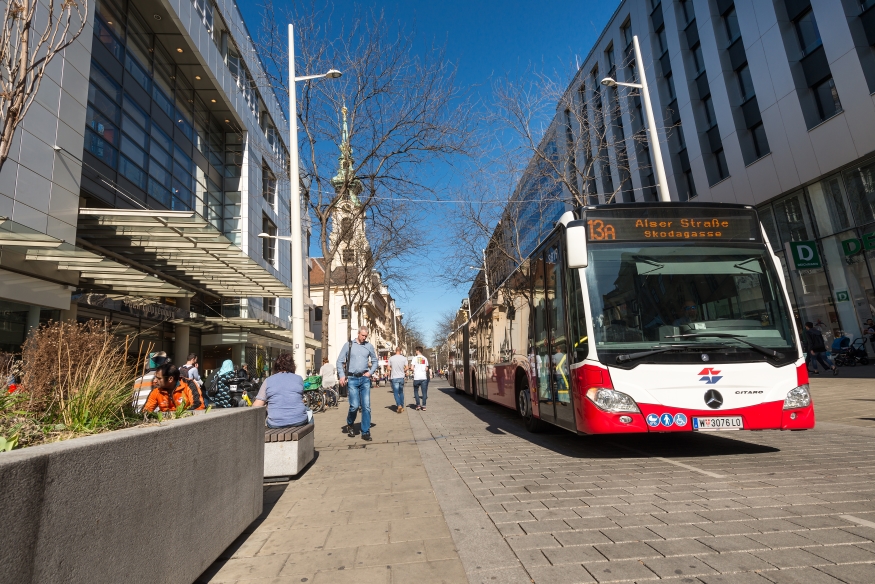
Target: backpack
(212, 386)
(192, 385)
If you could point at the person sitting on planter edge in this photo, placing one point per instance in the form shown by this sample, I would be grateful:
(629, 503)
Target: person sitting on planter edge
(170, 391)
(283, 394)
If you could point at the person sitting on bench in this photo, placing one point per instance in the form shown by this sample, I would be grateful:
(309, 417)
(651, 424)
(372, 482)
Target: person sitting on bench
(283, 394)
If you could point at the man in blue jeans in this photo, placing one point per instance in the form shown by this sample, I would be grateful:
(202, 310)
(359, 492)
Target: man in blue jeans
(356, 364)
(419, 364)
(397, 371)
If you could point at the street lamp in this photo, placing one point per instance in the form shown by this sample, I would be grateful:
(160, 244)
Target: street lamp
(299, 350)
(651, 122)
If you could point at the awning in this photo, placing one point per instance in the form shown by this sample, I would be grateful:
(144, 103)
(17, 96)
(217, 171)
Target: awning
(95, 271)
(183, 245)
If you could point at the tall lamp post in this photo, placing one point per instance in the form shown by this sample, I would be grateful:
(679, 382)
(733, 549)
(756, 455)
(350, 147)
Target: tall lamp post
(651, 122)
(297, 236)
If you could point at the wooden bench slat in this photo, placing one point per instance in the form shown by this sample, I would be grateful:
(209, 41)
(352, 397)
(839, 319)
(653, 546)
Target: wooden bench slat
(290, 434)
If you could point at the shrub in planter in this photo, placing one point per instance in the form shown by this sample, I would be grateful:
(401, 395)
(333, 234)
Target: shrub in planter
(77, 378)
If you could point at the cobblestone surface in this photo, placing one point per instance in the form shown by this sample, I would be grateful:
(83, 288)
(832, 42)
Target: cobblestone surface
(464, 493)
(736, 507)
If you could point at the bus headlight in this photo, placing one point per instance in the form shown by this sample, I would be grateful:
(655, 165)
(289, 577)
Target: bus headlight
(798, 397)
(611, 400)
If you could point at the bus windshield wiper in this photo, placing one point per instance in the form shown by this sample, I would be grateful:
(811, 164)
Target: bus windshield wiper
(626, 357)
(739, 338)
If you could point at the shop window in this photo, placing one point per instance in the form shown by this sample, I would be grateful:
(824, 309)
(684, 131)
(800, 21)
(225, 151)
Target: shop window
(794, 223)
(767, 218)
(851, 284)
(828, 205)
(860, 182)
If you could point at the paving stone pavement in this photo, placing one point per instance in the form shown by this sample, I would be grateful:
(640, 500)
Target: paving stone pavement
(740, 507)
(462, 493)
(366, 514)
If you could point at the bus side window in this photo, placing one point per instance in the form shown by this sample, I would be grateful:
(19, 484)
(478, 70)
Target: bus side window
(577, 335)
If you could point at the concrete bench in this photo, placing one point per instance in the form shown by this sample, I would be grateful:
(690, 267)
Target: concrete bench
(287, 450)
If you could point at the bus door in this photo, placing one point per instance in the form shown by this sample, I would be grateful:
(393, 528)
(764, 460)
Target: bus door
(560, 370)
(549, 342)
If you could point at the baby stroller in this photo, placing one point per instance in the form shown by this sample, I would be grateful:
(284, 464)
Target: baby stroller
(846, 354)
(857, 351)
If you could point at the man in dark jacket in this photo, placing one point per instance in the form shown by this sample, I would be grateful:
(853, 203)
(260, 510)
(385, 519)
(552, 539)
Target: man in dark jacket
(817, 349)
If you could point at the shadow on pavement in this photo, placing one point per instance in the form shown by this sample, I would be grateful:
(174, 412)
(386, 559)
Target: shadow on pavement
(501, 420)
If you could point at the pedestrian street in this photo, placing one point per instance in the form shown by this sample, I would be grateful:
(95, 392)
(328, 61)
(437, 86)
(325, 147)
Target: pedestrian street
(462, 493)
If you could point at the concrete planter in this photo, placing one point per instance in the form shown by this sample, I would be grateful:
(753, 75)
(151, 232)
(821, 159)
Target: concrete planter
(149, 504)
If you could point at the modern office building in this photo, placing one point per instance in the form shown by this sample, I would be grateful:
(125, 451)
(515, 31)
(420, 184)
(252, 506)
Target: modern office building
(141, 184)
(760, 102)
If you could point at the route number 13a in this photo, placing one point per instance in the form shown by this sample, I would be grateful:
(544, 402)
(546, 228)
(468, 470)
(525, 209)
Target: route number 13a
(598, 231)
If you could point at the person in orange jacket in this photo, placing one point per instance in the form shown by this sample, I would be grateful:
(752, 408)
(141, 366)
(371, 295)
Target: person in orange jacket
(170, 391)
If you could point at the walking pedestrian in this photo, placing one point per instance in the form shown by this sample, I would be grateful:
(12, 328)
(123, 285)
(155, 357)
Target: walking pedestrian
(397, 370)
(328, 373)
(817, 349)
(420, 378)
(190, 374)
(355, 365)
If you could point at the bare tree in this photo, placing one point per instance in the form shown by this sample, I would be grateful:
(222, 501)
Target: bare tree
(405, 114)
(34, 32)
(556, 144)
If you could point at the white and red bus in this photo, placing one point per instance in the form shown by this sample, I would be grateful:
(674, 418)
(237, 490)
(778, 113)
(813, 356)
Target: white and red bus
(655, 317)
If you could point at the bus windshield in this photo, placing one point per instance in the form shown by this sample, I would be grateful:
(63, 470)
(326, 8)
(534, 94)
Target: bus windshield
(654, 295)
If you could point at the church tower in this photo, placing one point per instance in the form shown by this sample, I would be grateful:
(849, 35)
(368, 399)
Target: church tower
(347, 235)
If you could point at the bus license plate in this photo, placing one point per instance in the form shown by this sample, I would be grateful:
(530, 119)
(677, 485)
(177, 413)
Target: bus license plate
(718, 424)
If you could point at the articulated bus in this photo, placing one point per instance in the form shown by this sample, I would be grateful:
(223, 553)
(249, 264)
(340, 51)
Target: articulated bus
(656, 317)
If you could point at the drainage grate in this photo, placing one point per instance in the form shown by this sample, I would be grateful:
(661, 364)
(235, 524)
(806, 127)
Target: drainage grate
(351, 446)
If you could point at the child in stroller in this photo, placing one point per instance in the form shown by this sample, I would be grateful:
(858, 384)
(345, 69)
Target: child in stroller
(847, 354)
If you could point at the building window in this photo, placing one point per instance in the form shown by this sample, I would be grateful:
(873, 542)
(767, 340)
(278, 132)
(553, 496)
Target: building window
(722, 168)
(268, 244)
(661, 41)
(626, 31)
(348, 256)
(269, 305)
(760, 143)
(827, 99)
(344, 312)
(689, 184)
(710, 116)
(317, 314)
(806, 30)
(730, 21)
(698, 59)
(268, 186)
(745, 82)
(687, 11)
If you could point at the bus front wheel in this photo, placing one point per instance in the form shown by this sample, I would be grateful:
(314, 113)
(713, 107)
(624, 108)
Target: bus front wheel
(524, 406)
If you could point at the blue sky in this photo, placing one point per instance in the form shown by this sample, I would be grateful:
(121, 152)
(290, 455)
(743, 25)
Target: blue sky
(486, 39)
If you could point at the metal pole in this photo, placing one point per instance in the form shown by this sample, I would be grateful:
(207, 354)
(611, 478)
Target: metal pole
(297, 237)
(651, 127)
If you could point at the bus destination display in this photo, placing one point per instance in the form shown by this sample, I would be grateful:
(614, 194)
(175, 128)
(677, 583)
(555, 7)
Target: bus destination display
(676, 223)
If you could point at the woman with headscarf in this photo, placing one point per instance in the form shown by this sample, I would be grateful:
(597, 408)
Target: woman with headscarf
(222, 382)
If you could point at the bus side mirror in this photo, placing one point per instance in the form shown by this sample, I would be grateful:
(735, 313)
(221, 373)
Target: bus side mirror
(575, 244)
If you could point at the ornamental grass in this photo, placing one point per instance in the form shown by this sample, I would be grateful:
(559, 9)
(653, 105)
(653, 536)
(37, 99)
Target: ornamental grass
(77, 379)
